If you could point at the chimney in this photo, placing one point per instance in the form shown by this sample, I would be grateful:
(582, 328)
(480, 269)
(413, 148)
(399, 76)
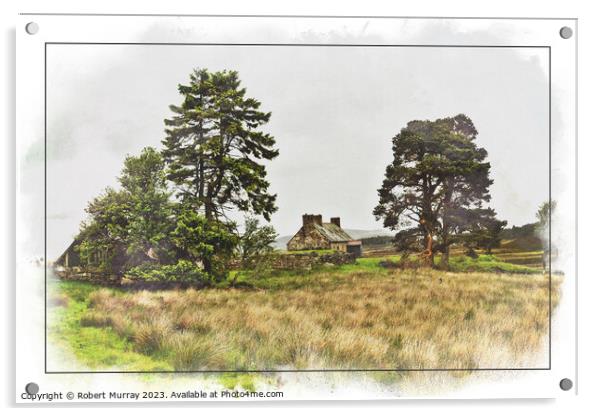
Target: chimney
(336, 220)
(309, 219)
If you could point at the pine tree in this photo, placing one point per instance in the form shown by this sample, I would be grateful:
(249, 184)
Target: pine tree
(438, 179)
(213, 147)
(482, 230)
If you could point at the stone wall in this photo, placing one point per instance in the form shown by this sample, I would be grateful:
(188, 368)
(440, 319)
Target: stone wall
(303, 261)
(288, 261)
(307, 261)
(87, 275)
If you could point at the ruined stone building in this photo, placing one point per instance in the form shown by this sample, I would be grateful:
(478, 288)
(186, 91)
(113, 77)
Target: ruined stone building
(317, 235)
(107, 261)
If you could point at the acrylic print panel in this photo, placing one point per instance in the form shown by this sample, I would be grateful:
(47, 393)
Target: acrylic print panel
(213, 208)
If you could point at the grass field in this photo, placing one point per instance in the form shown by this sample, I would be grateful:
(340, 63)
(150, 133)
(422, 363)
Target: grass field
(352, 316)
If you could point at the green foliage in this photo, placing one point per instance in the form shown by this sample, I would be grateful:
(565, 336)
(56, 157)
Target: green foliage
(143, 179)
(200, 240)
(527, 230)
(380, 240)
(544, 213)
(438, 180)
(132, 223)
(544, 218)
(483, 230)
(296, 279)
(182, 271)
(213, 146)
(139, 228)
(487, 263)
(212, 153)
(324, 278)
(255, 243)
(104, 237)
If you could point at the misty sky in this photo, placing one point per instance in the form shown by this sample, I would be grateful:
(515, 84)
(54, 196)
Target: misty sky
(334, 112)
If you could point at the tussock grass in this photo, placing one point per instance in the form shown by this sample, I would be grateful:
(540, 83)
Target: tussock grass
(358, 316)
(190, 352)
(95, 319)
(95, 340)
(150, 335)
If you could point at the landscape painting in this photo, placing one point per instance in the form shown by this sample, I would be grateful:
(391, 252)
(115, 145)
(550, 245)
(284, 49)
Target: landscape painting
(273, 209)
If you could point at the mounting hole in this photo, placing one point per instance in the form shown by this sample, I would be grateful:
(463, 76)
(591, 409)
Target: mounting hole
(566, 384)
(566, 32)
(32, 389)
(32, 28)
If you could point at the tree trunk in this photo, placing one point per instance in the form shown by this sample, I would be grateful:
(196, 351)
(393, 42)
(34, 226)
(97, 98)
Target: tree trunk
(444, 264)
(207, 261)
(429, 256)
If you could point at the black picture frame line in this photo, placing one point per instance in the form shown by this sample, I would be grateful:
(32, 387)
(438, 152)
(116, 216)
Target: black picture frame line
(326, 370)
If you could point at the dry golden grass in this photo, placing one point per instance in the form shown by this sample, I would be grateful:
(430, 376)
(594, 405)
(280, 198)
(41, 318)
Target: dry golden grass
(388, 320)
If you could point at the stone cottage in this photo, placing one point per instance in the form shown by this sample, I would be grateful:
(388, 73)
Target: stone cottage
(317, 235)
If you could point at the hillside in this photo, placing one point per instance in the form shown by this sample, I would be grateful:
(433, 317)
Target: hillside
(522, 238)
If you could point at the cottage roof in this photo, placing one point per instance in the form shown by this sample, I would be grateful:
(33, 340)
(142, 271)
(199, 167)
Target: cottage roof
(71, 246)
(333, 232)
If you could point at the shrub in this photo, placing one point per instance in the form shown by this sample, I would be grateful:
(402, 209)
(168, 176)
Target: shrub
(208, 241)
(182, 271)
(255, 244)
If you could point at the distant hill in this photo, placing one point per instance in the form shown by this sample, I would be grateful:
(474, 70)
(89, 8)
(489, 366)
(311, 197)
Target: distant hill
(527, 230)
(521, 238)
(280, 243)
(381, 241)
(359, 234)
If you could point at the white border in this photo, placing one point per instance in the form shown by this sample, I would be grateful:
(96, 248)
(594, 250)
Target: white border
(94, 29)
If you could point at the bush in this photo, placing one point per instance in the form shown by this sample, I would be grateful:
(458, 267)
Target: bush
(209, 241)
(255, 244)
(182, 271)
